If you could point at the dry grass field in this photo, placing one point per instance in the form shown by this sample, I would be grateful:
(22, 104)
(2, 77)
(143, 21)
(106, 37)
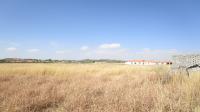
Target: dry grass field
(96, 88)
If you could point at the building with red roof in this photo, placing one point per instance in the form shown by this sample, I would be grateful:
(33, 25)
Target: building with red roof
(147, 62)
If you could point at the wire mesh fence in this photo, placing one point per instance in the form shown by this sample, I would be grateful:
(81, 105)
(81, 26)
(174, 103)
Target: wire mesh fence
(185, 63)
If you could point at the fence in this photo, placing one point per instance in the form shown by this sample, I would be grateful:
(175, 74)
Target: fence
(186, 62)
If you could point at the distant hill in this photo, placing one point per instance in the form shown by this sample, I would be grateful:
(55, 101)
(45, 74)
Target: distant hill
(19, 60)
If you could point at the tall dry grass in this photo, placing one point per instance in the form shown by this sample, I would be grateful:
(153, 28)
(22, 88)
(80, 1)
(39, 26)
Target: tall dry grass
(96, 88)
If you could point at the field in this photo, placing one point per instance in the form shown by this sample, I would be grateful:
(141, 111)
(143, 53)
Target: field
(96, 88)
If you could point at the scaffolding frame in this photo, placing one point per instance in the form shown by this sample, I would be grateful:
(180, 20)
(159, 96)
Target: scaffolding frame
(185, 63)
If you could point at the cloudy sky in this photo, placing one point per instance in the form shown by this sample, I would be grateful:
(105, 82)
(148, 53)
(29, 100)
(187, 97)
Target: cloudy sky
(114, 29)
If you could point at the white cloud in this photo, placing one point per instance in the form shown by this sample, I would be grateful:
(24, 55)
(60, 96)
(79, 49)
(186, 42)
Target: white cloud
(84, 48)
(33, 50)
(110, 46)
(11, 49)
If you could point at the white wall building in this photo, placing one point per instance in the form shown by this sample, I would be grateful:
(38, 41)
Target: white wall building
(146, 62)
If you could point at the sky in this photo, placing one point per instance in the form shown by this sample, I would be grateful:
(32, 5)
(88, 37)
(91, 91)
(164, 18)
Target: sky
(99, 29)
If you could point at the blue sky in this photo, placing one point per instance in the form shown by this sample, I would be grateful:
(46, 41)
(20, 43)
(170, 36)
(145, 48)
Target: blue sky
(114, 29)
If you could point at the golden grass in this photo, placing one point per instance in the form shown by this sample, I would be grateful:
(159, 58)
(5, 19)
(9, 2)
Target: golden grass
(96, 88)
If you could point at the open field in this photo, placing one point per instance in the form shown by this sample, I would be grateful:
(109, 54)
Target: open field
(96, 88)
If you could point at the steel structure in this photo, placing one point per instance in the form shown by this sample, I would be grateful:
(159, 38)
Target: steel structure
(186, 62)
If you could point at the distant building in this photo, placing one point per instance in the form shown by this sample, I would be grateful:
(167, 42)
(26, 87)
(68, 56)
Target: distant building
(147, 62)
